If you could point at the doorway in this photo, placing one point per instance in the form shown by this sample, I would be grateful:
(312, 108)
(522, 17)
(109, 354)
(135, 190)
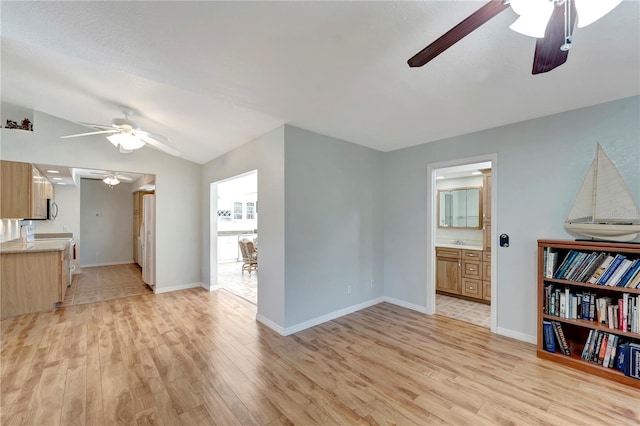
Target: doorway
(236, 215)
(461, 284)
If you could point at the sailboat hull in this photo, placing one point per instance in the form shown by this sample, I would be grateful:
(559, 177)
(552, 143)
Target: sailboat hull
(601, 231)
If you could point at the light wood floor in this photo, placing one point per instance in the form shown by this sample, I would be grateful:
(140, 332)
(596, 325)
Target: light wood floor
(194, 357)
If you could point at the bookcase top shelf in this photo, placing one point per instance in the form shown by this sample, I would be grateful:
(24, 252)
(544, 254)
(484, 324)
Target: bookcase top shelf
(591, 245)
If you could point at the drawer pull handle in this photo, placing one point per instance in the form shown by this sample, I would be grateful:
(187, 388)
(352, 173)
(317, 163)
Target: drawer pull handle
(472, 269)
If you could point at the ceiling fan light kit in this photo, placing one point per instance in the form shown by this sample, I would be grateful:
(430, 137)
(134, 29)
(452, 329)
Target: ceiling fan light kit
(550, 21)
(127, 141)
(111, 180)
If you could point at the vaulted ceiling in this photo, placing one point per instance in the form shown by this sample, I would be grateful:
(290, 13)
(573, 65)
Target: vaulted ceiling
(212, 76)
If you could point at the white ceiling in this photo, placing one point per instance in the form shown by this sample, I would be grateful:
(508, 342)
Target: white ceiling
(211, 76)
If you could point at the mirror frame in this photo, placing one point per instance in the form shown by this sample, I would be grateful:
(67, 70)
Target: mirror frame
(480, 224)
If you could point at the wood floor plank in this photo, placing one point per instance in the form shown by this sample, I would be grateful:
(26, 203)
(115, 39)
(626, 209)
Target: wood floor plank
(198, 357)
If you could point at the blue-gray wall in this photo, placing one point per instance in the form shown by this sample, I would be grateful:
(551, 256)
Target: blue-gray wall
(333, 225)
(540, 166)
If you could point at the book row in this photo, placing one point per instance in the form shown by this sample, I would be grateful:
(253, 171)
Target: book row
(622, 313)
(602, 348)
(615, 270)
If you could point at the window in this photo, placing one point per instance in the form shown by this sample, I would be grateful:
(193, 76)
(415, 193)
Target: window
(250, 211)
(237, 211)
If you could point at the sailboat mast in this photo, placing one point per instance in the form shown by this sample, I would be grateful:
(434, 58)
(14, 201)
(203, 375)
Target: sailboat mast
(594, 193)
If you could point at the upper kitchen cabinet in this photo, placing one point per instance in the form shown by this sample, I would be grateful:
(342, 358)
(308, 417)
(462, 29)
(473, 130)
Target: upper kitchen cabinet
(23, 191)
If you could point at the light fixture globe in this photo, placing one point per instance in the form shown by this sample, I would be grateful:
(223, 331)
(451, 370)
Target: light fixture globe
(127, 141)
(111, 180)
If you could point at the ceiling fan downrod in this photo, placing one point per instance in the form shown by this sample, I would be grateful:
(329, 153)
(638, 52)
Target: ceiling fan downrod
(568, 40)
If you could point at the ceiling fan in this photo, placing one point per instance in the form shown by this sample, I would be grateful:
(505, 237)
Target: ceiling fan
(550, 21)
(127, 135)
(111, 178)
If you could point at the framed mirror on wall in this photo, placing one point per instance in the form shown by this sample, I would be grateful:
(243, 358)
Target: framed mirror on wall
(460, 208)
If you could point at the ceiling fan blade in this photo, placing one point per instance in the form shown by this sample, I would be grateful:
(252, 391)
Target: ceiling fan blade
(90, 133)
(457, 33)
(154, 143)
(548, 55)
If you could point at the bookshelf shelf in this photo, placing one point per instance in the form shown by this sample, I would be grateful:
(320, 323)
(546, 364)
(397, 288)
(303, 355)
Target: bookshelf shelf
(585, 311)
(592, 325)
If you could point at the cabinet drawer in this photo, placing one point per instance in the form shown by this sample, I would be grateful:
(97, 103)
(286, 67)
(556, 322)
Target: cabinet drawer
(472, 288)
(486, 256)
(472, 254)
(472, 269)
(486, 271)
(448, 253)
(486, 290)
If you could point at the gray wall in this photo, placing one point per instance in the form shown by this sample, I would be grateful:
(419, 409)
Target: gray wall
(265, 154)
(540, 166)
(106, 218)
(178, 208)
(333, 225)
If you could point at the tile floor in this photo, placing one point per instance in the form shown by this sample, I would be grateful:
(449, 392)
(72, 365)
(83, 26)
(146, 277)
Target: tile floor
(464, 310)
(116, 281)
(105, 282)
(232, 279)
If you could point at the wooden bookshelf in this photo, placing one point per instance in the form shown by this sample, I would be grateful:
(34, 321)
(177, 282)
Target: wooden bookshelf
(577, 330)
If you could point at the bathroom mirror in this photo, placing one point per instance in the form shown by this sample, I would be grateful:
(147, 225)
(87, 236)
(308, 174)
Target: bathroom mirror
(460, 208)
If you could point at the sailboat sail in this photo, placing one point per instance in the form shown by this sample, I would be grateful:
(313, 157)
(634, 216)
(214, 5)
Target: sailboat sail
(604, 207)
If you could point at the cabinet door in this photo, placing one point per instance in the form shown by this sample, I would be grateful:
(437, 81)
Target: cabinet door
(15, 190)
(486, 194)
(448, 275)
(38, 195)
(486, 237)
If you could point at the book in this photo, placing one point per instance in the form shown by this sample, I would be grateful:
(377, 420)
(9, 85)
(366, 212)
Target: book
(606, 275)
(551, 260)
(591, 268)
(574, 265)
(629, 273)
(575, 276)
(614, 348)
(600, 270)
(622, 362)
(585, 350)
(620, 271)
(596, 348)
(634, 360)
(549, 336)
(562, 340)
(602, 350)
(565, 263)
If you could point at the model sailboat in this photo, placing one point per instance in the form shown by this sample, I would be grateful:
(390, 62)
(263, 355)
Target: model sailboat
(604, 208)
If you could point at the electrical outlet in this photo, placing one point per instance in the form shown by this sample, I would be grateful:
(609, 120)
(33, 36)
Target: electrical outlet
(373, 284)
(348, 289)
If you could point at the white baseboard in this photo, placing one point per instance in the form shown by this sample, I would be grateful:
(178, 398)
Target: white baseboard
(516, 335)
(107, 264)
(211, 287)
(331, 316)
(403, 304)
(272, 325)
(177, 287)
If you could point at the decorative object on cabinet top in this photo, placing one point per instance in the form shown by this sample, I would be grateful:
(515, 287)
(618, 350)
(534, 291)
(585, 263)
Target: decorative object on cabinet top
(604, 208)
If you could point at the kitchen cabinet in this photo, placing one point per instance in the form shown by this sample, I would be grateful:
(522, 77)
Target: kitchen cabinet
(24, 191)
(448, 265)
(33, 280)
(227, 248)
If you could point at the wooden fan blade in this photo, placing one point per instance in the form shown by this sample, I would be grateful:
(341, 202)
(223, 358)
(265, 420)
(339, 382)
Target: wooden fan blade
(548, 54)
(457, 33)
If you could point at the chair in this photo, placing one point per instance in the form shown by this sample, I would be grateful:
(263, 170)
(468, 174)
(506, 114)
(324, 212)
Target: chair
(249, 256)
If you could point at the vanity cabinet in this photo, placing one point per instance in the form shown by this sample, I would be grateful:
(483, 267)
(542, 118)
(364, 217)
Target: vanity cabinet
(24, 191)
(448, 265)
(464, 273)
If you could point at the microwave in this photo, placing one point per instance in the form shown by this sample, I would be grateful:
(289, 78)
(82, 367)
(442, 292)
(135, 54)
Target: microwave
(52, 211)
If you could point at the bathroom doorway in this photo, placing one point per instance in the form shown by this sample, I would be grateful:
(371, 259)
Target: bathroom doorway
(462, 279)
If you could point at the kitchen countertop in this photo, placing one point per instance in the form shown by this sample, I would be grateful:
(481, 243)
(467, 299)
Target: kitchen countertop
(19, 246)
(460, 246)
